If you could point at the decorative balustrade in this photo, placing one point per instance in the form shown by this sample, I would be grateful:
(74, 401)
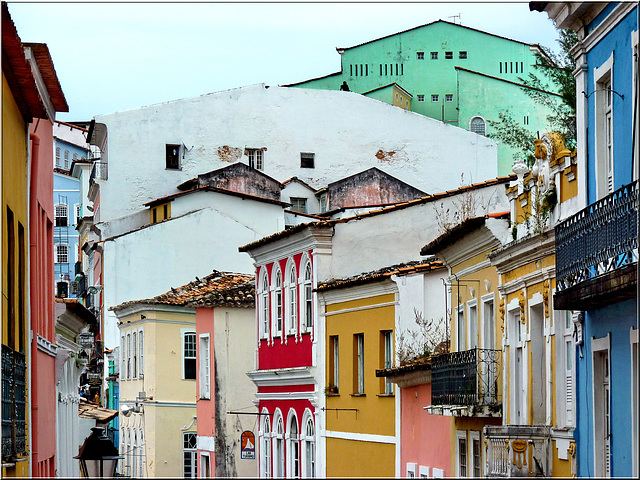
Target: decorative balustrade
(466, 378)
(599, 239)
(517, 451)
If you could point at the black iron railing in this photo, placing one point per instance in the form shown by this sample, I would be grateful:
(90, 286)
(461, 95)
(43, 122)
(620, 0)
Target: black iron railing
(469, 377)
(14, 403)
(599, 239)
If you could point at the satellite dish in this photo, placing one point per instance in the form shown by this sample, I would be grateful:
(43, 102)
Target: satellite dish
(126, 410)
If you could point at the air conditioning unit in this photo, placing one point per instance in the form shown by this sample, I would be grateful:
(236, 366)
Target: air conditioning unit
(75, 288)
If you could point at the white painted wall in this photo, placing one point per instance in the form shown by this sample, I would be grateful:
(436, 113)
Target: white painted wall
(295, 189)
(344, 130)
(149, 261)
(397, 236)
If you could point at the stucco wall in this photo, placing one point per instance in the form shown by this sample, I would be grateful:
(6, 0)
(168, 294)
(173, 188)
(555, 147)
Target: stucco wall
(344, 130)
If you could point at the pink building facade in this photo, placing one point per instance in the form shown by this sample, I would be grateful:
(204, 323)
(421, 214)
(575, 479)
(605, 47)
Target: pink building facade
(41, 266)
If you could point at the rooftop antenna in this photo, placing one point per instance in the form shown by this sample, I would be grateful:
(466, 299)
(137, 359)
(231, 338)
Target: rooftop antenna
(458, 16)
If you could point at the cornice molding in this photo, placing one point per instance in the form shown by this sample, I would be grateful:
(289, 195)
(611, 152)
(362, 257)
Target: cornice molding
(358, 292)
(598, 33)
(524, 252)
(283, 377)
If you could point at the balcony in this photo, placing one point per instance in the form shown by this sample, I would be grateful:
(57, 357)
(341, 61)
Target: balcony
(14, 404)
(518, 451)
(466, 383)
(597, 251)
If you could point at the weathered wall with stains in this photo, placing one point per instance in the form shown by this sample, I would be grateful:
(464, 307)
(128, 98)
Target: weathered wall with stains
(242, 178)
(371, 187)
(345, 130)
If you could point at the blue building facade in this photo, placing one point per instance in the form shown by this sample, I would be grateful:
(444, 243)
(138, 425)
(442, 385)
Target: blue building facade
(597, 248)
(66, 201)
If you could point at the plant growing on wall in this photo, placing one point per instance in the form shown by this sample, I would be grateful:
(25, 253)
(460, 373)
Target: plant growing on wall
(462, 209)
(418, 344)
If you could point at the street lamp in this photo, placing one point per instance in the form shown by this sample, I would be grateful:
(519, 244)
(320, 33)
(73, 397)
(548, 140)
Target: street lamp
(98, 456)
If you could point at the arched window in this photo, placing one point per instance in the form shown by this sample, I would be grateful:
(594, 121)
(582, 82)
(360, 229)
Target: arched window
(58, 157)
(293, 448)
(278, 447)
(265, 448)
(309, 448)
(264, 306)
(308, 298)
(66, 159)
(477, 125)
(292, 300)
(277, 304)
(142, 459)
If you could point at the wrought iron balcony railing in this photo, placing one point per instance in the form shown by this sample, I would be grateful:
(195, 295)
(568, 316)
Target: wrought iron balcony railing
(599, 239)
(468, 378)
(14, 403)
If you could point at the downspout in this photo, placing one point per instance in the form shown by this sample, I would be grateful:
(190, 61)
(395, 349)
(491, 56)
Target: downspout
(33, 147)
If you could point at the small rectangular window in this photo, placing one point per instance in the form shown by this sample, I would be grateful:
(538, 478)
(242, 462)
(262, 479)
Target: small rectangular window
(435, 98)
(298, 204)
(205, 367)
(434, 55)
(421, 98)
(307, 160)
(256, 158)
(189, 355)
(449, 97)
(420, 55)
(173, 157)
(380, 69)
(448, 55)
(387, 359)
(334, 365)
(358, 357)
(462, 55)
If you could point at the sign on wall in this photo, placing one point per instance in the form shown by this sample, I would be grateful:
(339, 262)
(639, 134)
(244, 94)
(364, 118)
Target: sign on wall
(248, 445)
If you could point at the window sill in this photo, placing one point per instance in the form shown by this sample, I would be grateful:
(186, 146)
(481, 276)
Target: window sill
(386, 395)
(358, 394)
(332, 394)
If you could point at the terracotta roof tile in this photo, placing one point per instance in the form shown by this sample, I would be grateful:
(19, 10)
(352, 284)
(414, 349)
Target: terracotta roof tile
(217, 289)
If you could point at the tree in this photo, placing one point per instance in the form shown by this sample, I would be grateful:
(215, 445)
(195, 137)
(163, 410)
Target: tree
(553, 73)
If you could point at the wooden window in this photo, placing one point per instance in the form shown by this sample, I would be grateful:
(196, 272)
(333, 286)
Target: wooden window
(307, 160)
(189, 355)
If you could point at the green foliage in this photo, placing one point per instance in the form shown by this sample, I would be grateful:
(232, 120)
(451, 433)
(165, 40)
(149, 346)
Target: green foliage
(553, 73)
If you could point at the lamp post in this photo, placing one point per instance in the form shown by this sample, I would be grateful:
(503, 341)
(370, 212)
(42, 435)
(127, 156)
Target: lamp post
(98, 456)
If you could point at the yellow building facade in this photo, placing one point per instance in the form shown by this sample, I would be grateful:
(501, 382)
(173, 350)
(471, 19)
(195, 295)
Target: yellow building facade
(539, 350)
(157, 390)
(360, 408)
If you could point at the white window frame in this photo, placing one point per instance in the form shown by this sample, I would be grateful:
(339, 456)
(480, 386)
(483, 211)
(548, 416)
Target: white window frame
(335, 339)
(412, 469)
(565, 388)
(128, 355)
(142, 462)
(134, 370)
(205, 472)
(420, 98)
(307, 287)
(474, 337)
(293, 445)
(604, 117)
(204, 363)
(599, 345)
(264, 299)
(183, 333)
(388, 359)
(278, 442)
(360, 362)
(265, 445)
(256, 158)
(66, 159)
(484, 125)
(278, 303)
(60, 254)
(61, 210)
(517, 340)
(193, 453)
(435, 98)
(309, 445)
(462, 435)
(291, 294)
(474, 436)
(134, 453)
(123, 357)
(58, 163)
(141, 354)
(488, 325)
(461, 329)
(423, 471)
(448, 97)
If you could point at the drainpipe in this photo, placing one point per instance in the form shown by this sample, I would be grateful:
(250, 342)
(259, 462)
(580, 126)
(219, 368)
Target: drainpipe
(33, 147)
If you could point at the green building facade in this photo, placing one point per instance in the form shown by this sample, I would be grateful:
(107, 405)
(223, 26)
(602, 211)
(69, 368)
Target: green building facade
(453, 73)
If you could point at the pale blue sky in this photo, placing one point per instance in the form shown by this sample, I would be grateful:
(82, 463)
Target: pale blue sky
(119, 56)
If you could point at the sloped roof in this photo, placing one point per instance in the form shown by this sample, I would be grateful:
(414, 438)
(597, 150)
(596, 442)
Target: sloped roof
(47, 70)
(296, 179)
(382, 273)
(216, 289)
(398, 206)
(387, 86)
(522, 85)
(457, 232)
(426, 25)
(168, 198)
(93, 411)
